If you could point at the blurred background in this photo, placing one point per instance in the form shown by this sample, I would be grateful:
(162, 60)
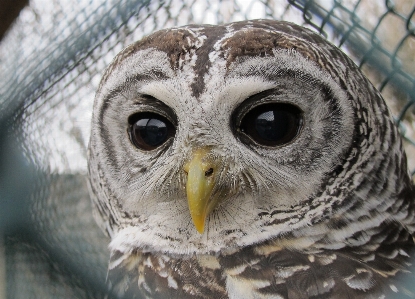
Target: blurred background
(52, 55)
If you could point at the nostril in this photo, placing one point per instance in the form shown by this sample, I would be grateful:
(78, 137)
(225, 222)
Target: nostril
(209, 172)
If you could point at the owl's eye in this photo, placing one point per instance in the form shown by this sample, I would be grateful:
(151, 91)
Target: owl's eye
(272, 124)
(150, 130)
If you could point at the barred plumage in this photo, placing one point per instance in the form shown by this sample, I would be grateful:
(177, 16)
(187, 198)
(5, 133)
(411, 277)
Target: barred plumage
(249, 160)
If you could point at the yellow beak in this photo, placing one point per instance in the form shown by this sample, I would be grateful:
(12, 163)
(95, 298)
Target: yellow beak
(200, 182)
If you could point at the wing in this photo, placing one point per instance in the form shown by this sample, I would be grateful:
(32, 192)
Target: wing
(375, 269)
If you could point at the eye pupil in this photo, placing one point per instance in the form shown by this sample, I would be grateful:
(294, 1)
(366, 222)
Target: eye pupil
(272, 124)
(150, 130)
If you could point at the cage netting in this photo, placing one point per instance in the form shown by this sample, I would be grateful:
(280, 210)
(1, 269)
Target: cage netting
(51, 61)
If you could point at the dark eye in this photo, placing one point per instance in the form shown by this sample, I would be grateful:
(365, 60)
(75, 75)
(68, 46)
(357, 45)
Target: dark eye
(272, 124)
(150, 130)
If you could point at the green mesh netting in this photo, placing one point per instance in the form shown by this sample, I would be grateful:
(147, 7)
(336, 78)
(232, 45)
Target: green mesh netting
(51, 62)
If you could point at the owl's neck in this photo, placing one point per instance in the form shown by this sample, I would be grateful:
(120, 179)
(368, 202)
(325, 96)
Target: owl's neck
(372, 263)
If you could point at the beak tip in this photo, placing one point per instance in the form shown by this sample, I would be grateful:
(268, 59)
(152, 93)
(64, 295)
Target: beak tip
(201, 230)
(200, 226)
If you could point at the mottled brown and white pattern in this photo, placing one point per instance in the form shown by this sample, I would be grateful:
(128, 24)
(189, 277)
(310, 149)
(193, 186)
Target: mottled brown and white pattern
(329, 214)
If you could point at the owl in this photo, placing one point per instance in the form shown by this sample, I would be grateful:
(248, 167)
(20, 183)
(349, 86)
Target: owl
(248, 160)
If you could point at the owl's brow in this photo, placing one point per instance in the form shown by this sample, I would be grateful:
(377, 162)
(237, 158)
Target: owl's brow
(118, 88)
(122, 85)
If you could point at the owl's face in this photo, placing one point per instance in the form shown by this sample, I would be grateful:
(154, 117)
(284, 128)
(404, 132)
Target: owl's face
(214, 137)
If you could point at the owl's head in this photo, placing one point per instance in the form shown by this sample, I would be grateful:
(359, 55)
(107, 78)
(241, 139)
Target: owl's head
(212, 137)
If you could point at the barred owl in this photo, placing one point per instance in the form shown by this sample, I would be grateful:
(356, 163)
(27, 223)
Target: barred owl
(248, 160)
